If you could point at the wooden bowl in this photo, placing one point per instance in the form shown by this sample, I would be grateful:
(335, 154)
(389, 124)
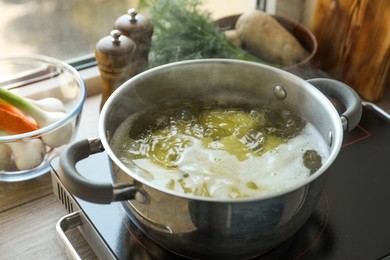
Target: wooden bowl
(299, 31)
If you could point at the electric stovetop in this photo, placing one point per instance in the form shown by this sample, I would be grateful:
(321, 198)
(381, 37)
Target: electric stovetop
(351, 221)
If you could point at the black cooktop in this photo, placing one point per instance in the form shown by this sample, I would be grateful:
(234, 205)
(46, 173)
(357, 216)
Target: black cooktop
(351, 221)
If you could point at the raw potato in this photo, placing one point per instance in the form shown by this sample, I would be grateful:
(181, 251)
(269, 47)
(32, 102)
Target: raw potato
(264, 37)
(233, 37)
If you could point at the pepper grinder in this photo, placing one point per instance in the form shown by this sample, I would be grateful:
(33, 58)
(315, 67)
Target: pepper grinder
(117, 62)
(139, 28)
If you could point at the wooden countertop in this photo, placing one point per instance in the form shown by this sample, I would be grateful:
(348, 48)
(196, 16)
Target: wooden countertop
(29, 210)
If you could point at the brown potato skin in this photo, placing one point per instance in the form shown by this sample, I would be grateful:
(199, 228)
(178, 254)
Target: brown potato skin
(261, 35)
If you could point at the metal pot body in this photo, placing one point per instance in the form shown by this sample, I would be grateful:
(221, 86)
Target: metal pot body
(202, 227)
(205, 229)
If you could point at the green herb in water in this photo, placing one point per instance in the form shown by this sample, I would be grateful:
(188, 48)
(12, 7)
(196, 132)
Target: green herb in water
(312, 160)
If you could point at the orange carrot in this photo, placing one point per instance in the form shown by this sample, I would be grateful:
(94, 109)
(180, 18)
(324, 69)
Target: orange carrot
(14, 121)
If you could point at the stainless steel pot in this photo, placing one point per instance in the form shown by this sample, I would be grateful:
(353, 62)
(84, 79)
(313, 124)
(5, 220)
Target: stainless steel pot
(200, 227)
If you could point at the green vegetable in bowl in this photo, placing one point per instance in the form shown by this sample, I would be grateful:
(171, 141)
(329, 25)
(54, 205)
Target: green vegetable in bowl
(43, 118)
(49, 104)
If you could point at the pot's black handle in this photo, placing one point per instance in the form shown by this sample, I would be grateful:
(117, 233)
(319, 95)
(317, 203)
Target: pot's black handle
(341, 92)
(75, 183)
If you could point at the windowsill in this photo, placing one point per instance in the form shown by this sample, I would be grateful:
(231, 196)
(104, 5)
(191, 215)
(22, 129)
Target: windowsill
(92, 79)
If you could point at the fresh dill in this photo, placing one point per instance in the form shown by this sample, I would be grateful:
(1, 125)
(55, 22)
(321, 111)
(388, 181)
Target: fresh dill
(184, 31)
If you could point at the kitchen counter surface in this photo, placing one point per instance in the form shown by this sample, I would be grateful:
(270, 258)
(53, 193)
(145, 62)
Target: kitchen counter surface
(29, 210)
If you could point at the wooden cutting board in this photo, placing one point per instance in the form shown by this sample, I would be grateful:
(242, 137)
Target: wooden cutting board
(354, 43)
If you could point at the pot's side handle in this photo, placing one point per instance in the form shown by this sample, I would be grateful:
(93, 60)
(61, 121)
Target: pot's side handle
(75, 183)
(331, 88)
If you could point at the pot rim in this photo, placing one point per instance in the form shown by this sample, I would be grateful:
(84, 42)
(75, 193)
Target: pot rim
(336, 139)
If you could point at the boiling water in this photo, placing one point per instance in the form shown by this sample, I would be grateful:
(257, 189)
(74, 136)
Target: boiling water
(204, 171)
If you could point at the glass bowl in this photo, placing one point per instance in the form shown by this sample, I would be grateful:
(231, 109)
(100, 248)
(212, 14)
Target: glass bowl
(39, 78)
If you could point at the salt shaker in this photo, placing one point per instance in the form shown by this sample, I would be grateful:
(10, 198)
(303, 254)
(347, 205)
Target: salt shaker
(139, 28)
(117, 62)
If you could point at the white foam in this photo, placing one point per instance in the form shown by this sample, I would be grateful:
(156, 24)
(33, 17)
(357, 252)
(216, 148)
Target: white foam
(223, 172)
